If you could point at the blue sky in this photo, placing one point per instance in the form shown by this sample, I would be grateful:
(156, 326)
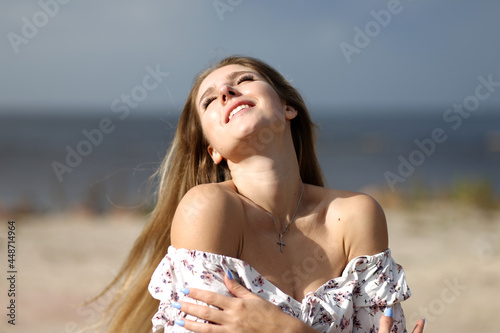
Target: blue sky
(85, 54)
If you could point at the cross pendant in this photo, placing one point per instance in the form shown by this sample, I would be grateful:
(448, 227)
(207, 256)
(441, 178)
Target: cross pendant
(281, 244)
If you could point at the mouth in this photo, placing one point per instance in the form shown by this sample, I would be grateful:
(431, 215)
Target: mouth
(238, 107)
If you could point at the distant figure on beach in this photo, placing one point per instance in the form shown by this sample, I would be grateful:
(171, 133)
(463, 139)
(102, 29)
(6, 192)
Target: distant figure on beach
(244, 236)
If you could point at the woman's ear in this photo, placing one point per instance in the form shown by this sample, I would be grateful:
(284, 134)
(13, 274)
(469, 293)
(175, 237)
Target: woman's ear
(214, 154)
(290, 112)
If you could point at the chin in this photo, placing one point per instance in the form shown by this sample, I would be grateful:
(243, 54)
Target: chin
(248, 126)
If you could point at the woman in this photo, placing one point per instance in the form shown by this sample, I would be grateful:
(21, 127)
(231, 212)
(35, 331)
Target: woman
(242, 206)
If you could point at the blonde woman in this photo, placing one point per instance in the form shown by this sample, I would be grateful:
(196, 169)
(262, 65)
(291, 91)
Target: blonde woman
(244, 237)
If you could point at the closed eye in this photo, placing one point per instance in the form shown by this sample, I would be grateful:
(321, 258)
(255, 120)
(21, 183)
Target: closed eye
(246, 77)
(207, 102)
(243, 78)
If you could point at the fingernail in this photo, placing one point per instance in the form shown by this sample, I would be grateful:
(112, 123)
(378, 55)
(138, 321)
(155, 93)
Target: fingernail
(229, 274)
(185, 291)
(388, 312)
(176, 305)
(179, 322)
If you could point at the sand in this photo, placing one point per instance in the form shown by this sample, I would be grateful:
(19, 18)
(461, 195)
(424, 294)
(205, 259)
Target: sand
(450, 255)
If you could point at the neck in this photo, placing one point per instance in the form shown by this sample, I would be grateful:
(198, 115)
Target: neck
(272, 181)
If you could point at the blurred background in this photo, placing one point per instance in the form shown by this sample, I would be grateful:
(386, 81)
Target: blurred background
(406, 96)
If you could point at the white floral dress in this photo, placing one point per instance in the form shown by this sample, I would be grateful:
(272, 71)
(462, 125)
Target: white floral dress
(352, 302)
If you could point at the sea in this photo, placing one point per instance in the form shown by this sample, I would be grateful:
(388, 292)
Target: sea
(391, 150)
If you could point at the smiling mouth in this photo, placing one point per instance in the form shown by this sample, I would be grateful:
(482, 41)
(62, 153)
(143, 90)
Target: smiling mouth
(238, 109)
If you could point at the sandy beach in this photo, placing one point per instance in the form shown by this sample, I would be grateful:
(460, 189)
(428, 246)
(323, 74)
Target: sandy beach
(450, 254)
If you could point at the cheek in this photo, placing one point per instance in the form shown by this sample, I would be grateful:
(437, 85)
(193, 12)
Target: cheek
(209, 122)
(270, 96)
(211, 117)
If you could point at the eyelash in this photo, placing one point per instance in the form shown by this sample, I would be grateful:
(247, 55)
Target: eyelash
(246, 77)
(207, 102)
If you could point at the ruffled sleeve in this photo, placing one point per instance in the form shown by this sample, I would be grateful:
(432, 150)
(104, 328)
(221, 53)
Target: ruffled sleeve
(381, 283)
(177, 270)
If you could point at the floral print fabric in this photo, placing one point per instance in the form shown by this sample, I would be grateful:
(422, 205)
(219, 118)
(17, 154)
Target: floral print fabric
(352, 302)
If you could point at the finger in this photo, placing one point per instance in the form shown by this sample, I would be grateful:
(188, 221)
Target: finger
(200, 311)
(208, 297)
(419, 327)
(235, 288)
(385, 322)
(198, 327)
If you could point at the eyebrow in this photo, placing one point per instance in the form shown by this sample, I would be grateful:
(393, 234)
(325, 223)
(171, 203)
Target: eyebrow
(229, 77)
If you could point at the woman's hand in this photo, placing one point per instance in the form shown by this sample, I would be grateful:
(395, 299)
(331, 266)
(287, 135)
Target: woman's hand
(246, 312)
(385, 323)
(249, 313)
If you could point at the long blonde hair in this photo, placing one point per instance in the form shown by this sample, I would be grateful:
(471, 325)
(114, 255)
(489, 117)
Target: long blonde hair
(188, 164)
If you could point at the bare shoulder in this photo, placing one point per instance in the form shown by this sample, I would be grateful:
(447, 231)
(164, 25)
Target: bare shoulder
(361, 220)
(208, 219)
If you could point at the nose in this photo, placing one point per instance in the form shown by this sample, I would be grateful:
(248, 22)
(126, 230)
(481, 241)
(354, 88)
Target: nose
(226, 92)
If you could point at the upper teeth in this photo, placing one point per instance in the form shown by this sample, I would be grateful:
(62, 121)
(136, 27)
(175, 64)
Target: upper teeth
(238, 109)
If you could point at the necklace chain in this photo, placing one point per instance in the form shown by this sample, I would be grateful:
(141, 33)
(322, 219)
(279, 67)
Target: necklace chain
(280, 234)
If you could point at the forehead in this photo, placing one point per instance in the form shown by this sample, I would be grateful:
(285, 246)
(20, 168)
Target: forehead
(219, 76)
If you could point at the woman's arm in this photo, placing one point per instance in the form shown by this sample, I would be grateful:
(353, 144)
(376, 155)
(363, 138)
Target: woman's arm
(365, 229)
(366, 234)
(208, 219)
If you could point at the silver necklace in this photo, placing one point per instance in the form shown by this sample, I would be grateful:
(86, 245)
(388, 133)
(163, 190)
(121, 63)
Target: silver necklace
(280, 234)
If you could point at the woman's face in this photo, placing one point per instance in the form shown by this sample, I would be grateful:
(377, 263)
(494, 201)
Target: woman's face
(235, 103)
